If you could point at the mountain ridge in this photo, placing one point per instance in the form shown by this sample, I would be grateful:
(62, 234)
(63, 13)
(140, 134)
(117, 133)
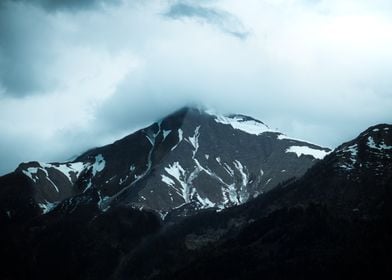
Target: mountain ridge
(333, 222)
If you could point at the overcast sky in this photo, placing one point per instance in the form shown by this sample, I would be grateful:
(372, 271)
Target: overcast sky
(78, 74)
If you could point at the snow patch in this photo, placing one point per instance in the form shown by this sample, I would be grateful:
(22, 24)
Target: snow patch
(42, 168)
(353, 151)
(385, 147)
(242, 194)
(98, 165)
(232, 194)
(177, 172)
(31, 172)
(246, 125)
(380, 147)
(180, 135)
(194, 140)
(268, 181)
(68, 168)
(241, 169)
(65, 168)
(123, 180)
(47, 206)
(285, 137)
(103, 202)
(166, 133)
(163, 214)
(205, 202)
(304, 150)
(228, 169)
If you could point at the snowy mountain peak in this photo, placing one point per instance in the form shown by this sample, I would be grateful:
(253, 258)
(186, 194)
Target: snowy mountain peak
(192, 159)
(371, 147)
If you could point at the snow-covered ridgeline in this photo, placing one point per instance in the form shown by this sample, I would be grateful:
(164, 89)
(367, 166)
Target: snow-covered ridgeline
(249, 126)
(281, 136)
(68, 169)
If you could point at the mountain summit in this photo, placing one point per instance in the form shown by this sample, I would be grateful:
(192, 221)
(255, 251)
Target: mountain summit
(190, 160)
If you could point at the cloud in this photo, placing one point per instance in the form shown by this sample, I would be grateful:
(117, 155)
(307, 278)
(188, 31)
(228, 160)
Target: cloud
(23, 50)
(71, 5)
(74, 80)
(225, 21)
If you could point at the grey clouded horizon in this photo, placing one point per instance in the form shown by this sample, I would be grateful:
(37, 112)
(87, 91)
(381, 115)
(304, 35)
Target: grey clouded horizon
(78, 75)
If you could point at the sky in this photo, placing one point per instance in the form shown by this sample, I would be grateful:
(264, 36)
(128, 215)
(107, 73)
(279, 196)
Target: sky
(80, 74)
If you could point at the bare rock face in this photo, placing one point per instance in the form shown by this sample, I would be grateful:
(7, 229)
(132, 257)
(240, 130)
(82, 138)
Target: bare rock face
(191, 160)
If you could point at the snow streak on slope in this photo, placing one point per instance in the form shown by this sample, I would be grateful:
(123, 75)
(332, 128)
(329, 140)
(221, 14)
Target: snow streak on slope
(178, 173)
(180, 137)
(166, 133)
(168, 181)
(194, 140)
(242, 194)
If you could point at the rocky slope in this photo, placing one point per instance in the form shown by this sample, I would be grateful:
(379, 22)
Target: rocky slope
(334, 222)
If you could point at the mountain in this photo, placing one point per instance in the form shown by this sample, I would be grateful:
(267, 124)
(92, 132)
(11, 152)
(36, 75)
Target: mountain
(189, 160)
(334, 222)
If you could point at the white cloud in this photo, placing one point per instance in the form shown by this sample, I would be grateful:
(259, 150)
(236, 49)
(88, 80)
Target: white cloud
(314, 69)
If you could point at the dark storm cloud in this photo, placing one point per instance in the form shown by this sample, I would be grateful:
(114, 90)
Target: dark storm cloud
(73, 5)
(23, 54)
(225, 21)
(28, 38)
